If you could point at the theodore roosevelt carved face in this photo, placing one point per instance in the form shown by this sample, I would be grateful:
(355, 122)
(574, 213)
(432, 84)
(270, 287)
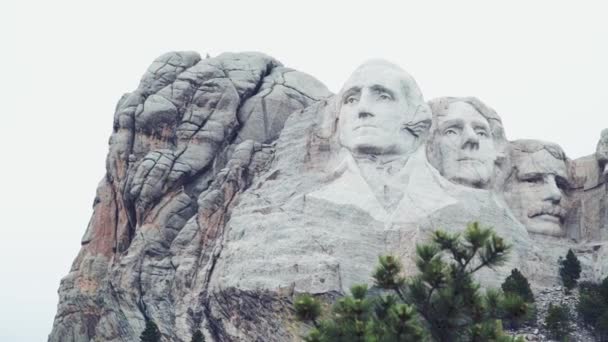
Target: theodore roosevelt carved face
(465, 141)
(381, 111)
(536, 186)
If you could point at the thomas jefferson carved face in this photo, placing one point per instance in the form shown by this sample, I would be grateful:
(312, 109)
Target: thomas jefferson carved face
(381, 111)
(536, 186)
(463, 143)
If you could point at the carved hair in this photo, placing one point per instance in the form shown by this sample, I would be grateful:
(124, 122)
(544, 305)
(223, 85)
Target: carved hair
(529, 146)
(440, 106)
(533, 146)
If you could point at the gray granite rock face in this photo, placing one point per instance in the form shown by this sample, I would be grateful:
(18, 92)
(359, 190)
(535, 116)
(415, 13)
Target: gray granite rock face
(234, 183)
(467, 143)
(185, 144)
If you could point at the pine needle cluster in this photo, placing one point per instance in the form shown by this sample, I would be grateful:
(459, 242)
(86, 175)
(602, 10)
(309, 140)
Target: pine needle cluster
(442, 303)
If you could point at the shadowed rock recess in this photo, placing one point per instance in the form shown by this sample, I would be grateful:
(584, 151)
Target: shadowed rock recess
(233, 183)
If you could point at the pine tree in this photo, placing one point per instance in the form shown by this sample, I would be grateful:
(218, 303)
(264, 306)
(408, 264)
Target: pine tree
(592, 307)
(518, 284)
(569, 270)
(558, 321)
(514, 310)
(442, 303)
(150, 333)
(198, 337)
(359, 317)
(307, 308)
(445, 293)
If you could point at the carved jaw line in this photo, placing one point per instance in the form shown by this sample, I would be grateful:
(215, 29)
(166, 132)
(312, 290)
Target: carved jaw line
(547, 221)
(548, 228)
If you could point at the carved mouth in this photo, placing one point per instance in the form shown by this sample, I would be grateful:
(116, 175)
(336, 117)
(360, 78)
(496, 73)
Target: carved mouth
(365, 126)
(468, 159)
(553, 214)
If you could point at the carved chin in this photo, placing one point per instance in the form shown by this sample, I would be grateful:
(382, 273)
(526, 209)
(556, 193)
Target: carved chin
(473, 181)
(476, 175)
(545, 226)
(377, 145)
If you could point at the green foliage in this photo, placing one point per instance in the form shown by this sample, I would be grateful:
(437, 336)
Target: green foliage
(444, 292)
(558, 321)
(491, 331)
(359, 317)
(441, 303)
(569, 270)
(491, 302)
(388, 273)
(518, 284)
(514, 310)
(593, 307)
(198, 337)
(307, 308)
(150, 333)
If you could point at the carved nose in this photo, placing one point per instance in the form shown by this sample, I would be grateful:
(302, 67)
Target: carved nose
(552, 191)
(365, 114)
(471, 140)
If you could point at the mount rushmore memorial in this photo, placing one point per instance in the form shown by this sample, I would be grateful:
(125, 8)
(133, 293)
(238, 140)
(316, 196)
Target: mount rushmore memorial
(233, 183)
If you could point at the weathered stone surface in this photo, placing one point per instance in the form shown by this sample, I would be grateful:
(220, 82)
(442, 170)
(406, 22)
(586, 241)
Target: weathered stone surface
(174, 171)
(234, 183)
(537, 186)
(467, 143)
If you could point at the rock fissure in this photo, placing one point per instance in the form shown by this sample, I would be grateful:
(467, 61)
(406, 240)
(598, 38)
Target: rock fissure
(233, 183)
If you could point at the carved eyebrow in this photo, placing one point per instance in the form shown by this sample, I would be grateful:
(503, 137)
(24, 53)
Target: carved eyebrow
(529, 175)
(351, 91)
(382, 89)
(451, 123)
(480, 124)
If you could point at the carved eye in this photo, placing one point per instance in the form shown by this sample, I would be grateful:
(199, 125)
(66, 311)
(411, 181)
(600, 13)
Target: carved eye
(450, 131)
(384, 97)
(350, 100)
(562, 184)
(533, 179)
(482, 134)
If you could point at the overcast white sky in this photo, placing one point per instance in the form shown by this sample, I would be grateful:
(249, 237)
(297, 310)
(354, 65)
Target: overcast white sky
(542, 65)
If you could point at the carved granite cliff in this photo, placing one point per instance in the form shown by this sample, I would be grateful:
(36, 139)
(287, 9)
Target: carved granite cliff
(234, 182)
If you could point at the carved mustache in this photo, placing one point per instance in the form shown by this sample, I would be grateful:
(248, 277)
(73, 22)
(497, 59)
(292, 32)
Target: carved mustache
(548, 209)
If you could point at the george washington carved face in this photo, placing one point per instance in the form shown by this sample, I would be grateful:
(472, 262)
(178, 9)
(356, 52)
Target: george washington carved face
(381, 111)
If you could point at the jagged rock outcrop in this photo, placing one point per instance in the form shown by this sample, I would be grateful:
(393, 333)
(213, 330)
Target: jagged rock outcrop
(186, 142)
(234, 182)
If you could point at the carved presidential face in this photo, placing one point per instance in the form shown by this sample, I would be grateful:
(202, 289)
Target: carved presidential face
(373, 112)
(464, 145)
(535, 191)
(601, 152)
